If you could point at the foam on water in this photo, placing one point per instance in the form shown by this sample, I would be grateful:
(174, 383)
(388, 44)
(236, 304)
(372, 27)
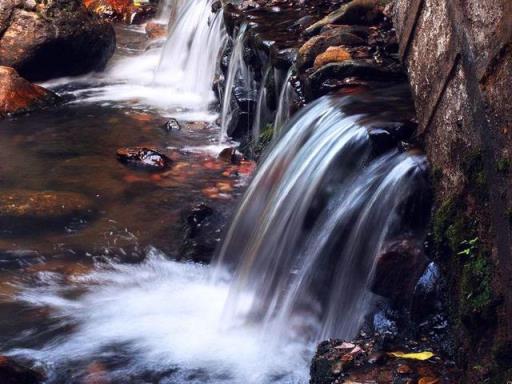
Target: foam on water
(165, 314)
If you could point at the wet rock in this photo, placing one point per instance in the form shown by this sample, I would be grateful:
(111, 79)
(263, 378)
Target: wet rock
(143, 158)
(18, 95)
(19, 208)
(202, 229)
(331, 55)
(33, 39)
(172, 125)
(341, 35)
(156, 30)
(382, 141)
(426, 299)
(14, 373)
(121, 10)
(359, 69)
(398, 268)
(231, 155)
(284, 58)
(362, 12)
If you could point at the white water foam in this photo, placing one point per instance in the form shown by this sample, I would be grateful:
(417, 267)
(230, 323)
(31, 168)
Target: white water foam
(166, 314)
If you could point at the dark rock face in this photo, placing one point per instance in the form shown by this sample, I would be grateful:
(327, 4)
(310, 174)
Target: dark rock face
(399, 266)
(458, 56)
(143, 158)
(18, 95)
(14, 373)
(33, 38)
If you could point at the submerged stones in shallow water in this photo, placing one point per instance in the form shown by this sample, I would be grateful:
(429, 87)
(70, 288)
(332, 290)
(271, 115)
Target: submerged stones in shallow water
(231, 155)
(20, 208)
(18, 95)
(143, 158)
(156, 30)
(14, 373)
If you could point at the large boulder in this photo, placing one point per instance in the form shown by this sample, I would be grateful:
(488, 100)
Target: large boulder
(52, 39)
(18, 95)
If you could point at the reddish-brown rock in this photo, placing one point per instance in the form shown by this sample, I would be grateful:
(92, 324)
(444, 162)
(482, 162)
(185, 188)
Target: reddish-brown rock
(156, 30)
(18, 95)
(43, 40)
(332, 55)
(121, 10)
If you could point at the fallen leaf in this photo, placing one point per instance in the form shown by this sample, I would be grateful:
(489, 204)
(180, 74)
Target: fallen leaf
(414, 356)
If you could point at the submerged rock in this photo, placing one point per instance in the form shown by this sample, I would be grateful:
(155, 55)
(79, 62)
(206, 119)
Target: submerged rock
(14, 373)
(172, 125)
(20, 208)
(156, 30)
(18, 95)
(202, 228)
(231, 155)
(143, 157)
(52, 39)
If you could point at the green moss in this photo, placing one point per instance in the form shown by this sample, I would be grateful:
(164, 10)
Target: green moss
(473, 168)
(476, 295)
(503, 166)
(449, 226)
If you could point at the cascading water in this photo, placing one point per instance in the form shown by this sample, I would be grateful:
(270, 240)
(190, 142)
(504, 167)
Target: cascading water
(302, 245)
(284, 104)
(190, 55)
(312, 222)
(259, 115)
(239, 77)
(177, 76)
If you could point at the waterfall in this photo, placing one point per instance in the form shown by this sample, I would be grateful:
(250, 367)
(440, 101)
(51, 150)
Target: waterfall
(260, 113)
(238, 76)
(284, 104)
(190, 55)
(167, 10)
(312, 222)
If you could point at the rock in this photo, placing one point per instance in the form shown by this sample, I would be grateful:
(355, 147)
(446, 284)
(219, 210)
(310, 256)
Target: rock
(156, 30)
(362, 12)
(398, 268)
(427, 293)
(339, 35)
(172, 125)
(381, 140)
(367, 70)
(428, 380)
(14, 373)
(284, 58)
(127, 11)
(202, 229)
(18, 95)
(404, 369)
(34, 38)
(331, 55)
(19, 208)
(144, 158)
(231, 155)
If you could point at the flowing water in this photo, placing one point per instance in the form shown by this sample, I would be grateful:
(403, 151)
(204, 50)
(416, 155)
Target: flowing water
(104, 299)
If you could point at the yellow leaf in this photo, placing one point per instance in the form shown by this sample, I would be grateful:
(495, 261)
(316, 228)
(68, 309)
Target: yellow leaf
(415, 356)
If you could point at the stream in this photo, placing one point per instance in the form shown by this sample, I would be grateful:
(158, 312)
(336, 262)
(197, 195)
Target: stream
(106, 296)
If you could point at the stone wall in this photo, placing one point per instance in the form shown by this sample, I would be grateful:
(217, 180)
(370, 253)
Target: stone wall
(458, 55)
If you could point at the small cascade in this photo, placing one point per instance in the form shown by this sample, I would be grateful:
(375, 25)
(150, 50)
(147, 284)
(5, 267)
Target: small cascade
(190, 55)
(311, 224)
(284, 104)
(261, 109)
(167, 10)
(239, 78)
